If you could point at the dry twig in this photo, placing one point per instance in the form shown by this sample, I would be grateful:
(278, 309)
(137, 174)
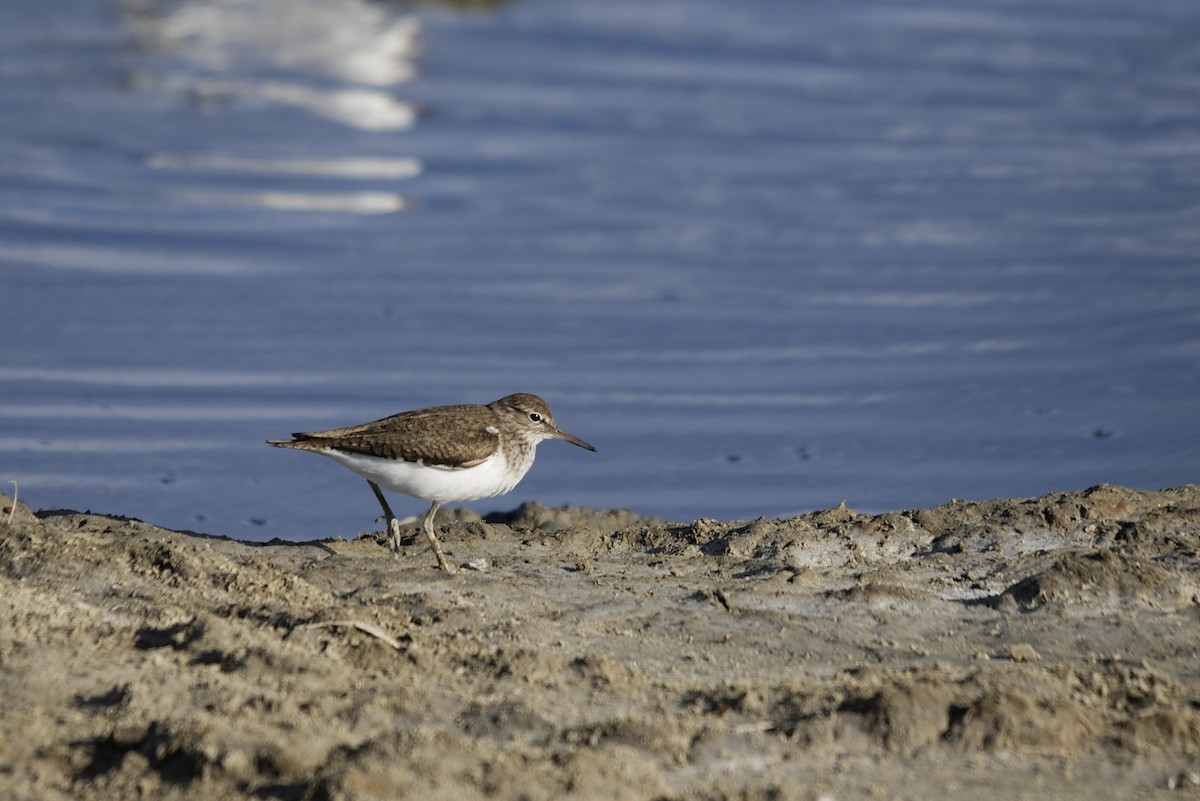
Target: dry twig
(365, 628)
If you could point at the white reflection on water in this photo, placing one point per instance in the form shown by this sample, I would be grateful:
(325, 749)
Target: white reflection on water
(325, 168)
(365, 109)
(116, 260)
(351, 40)
(345, 202)
(338, 60)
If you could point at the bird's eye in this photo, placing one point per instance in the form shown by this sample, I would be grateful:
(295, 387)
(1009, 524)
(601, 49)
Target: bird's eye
(535, 417)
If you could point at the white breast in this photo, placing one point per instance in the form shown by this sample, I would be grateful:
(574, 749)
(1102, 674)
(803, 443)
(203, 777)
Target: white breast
(491, 477)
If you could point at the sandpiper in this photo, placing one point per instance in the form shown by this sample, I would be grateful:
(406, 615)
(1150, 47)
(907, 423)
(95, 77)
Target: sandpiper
(441, 454)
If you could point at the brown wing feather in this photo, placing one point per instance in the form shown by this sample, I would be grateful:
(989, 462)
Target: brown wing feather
(420, 435)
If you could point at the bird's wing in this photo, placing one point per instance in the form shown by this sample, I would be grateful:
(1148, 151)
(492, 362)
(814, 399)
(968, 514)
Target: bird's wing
(452, 436)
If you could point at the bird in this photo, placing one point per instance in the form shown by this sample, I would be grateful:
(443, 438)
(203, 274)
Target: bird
(442, 454)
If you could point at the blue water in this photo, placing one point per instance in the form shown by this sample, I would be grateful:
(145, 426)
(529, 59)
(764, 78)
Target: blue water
(766, 256)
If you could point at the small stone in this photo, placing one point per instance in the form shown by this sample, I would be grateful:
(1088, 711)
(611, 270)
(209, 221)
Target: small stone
(1182, 779)
(1024, 652)
(237, 763)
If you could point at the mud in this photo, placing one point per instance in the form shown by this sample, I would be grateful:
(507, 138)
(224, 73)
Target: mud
(1026, 648)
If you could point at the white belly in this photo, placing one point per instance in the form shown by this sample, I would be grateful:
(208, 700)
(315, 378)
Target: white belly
(433, 482)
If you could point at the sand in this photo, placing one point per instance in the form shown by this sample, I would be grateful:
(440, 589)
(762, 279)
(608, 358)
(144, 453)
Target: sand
(1036, 648)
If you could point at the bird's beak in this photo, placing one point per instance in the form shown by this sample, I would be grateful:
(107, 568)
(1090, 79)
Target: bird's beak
(571, 438)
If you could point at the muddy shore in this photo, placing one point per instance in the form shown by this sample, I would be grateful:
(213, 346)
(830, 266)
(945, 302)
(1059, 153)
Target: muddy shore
(1030, 648)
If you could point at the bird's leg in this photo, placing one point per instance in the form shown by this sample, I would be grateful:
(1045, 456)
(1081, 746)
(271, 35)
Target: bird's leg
(433, 540)
(393, 524)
